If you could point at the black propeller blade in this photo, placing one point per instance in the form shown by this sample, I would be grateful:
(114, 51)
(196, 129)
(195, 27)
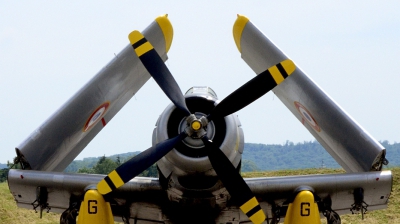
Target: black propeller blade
(253, 89)
(137, 164)
(233, 182)
(240, 98)
(157, 69)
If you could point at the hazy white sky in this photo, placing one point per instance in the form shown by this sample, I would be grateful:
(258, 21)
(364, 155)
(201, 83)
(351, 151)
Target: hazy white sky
(49, 50)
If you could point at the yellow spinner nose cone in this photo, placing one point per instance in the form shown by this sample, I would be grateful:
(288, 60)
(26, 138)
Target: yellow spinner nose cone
(196, 125)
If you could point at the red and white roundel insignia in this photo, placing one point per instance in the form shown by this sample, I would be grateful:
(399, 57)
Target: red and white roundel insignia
(307, 116)
(96, 116)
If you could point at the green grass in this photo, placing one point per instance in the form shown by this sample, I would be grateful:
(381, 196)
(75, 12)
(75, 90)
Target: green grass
(10, 213)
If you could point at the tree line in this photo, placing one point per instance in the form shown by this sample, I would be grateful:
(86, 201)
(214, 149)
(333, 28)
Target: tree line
(105, 165)
(256, 157)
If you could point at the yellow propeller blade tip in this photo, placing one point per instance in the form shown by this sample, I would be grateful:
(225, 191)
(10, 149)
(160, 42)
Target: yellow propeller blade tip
(103, 188)
(289, 66)
(257, 217)
(135, 36)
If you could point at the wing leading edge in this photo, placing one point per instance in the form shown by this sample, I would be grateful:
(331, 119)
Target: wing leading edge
(334, 191)
(347, 142)
(64, 135)
(146, 199)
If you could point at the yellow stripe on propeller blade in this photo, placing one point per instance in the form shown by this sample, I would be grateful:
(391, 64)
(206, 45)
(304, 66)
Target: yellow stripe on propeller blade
(281, 71)
(253, 210)
(139, 43)
(110, 182)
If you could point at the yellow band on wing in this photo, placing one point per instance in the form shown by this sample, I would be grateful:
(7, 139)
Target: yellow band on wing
(166, 28)
(238, 27)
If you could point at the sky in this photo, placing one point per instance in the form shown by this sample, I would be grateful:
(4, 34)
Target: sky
(49, 50)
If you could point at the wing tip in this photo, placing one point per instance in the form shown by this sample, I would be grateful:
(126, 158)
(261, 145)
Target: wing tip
(238, 27)
(167, 29)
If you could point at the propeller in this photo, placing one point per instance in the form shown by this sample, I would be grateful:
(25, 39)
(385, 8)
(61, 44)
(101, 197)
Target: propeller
(137, 165)
(157, 69)
(233, 182)
(253, 89)
(237, 100)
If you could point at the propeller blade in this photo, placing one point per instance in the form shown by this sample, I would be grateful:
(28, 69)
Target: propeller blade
(253, 89)
(157, 69)
(137, 164)
(233, 182)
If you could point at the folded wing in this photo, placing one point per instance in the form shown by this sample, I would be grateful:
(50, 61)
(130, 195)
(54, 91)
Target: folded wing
(347, 142)
(63, 136)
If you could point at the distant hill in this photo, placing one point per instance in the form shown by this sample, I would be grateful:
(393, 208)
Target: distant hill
(2, 166)
(302, 155)
(262, 157)
(392, 153)
(89, 162)
(288, 156)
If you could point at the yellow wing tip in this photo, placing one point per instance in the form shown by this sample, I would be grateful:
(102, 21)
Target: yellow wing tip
(167, 30)
(135, 36)
(238, 27)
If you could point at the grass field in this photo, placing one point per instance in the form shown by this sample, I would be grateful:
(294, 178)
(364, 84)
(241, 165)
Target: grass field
(10, 213)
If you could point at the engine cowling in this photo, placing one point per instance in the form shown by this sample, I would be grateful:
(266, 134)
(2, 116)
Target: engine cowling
(187, 165)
